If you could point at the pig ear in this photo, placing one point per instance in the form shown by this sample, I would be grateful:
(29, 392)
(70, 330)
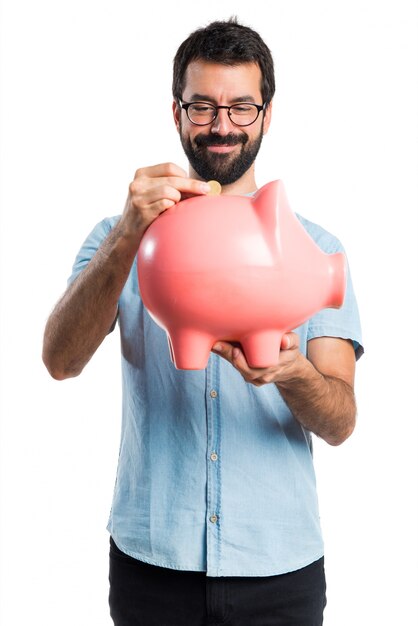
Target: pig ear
(267, 199)
(269, 202)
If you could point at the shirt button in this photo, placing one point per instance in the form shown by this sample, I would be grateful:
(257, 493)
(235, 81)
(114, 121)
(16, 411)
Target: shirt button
(213, 393)
(213, 519)
(214, 456)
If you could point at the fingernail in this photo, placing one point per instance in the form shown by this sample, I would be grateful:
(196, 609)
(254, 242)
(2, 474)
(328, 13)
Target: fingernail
(205, 187)
(217, 347)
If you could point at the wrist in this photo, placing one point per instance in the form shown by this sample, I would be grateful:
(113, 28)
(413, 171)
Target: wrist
(300, 373)
(130, 229)
(115, 256)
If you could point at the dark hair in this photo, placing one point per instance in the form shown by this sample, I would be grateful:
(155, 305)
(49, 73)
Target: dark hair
(228, 43)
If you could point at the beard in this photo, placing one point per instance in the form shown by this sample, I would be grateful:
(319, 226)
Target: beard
(224, 168)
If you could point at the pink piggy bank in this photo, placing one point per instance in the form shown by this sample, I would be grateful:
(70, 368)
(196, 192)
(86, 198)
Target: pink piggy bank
(234, 268)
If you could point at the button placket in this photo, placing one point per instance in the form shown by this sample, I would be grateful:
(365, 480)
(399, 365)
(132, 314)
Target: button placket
(213, 467)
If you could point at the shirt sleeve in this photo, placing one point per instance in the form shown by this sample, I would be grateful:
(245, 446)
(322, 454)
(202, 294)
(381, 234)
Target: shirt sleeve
(89, 249)
(91, 245)
(343, 322)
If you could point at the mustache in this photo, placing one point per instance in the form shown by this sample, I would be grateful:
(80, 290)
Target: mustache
(202, 141)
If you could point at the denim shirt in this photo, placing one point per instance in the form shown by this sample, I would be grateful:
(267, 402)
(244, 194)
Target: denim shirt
(214, 474)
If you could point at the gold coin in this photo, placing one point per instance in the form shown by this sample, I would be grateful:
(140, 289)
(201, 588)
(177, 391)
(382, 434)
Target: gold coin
(215, 188)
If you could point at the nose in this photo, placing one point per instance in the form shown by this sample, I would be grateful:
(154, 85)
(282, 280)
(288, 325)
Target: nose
(221, 125)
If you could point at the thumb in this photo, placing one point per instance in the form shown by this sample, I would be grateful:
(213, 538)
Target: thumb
(290, 341)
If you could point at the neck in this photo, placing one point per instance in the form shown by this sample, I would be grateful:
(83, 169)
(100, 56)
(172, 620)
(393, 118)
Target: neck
(245, 184)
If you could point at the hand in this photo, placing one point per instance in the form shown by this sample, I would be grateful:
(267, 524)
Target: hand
(154, 190)
(285, 369)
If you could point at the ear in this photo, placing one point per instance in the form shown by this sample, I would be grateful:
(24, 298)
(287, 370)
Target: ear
(176, 114)
(267, 117)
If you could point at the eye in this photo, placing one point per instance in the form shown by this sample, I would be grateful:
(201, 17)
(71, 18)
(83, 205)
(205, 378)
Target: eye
(201, 107)
(242, 109)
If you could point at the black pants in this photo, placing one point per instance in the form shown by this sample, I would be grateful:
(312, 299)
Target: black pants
(146, 595)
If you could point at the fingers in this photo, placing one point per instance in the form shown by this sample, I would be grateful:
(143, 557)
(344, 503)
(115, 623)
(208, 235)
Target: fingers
(146, 190)
(167, 175)
(157, 188)
(289, 350)
(233, 354)
(162, 169)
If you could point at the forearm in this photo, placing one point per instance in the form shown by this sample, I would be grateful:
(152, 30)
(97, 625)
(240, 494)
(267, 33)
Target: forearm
(86, 312)
(324, 405)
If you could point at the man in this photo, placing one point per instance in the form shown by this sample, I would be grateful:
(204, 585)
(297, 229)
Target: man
(214, 516)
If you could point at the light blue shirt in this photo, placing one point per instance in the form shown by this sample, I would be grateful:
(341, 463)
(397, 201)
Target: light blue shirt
(214, 474)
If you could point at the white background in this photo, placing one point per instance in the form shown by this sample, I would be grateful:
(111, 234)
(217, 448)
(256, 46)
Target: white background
(86, 100)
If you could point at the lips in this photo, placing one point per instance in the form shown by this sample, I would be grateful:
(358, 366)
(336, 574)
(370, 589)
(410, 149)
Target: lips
(221, 149)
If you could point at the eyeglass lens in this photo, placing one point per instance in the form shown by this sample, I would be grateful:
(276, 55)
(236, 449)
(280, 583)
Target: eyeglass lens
(240, 114)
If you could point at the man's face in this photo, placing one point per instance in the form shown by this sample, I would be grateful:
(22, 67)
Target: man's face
(221, 150)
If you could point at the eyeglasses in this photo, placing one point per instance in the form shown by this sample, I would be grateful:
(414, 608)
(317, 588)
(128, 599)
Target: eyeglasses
(203, 113)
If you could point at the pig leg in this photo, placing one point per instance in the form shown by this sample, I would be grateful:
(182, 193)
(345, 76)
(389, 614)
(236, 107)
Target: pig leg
(190, 348)
(262, 348)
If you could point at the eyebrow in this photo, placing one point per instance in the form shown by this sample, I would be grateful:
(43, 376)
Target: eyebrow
(200, 97)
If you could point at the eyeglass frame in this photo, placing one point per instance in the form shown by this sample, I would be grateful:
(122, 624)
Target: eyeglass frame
(186, 105)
